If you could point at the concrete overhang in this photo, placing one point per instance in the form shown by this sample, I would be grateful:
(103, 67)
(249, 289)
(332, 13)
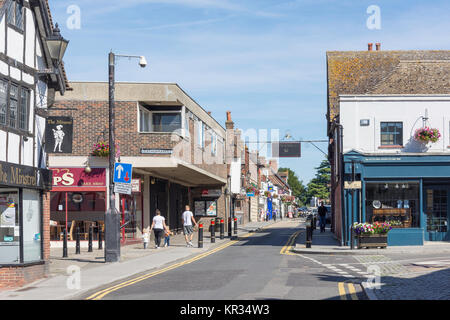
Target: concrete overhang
(174, 170)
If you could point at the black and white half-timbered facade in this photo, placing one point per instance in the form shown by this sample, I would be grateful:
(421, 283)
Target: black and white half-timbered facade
(31, 71)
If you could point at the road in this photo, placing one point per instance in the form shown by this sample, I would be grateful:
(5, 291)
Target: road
(258, 266)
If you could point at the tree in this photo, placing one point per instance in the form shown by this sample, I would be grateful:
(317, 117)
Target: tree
(296, 185)
(319, 186)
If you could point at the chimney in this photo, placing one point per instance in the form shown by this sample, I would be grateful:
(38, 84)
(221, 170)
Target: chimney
(229, 124)
(209, 112)
(378, 45)
(370, 46)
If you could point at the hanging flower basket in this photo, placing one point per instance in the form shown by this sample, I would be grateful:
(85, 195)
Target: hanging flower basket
(100, 149)
(427, 134)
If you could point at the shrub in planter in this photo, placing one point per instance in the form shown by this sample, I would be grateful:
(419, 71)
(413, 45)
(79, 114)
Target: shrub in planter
(371, 235)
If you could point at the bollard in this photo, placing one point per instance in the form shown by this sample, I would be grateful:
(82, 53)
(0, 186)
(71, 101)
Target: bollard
(77, 249)
(235, 228)
(100, 243)
(222, 229)
(229, 227)
(90, 238)
(65, 244)
(200, 235)
(308, 236)
(213, 231)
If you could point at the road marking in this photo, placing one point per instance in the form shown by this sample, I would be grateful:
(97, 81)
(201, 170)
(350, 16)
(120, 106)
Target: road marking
(351, 290)
(286, 250)
(102, 293)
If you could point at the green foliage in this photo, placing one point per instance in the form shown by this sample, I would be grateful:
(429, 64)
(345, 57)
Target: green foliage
(319, 186)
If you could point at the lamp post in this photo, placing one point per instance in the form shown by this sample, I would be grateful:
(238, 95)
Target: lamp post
(112, 216)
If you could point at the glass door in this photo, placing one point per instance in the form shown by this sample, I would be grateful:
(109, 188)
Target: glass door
(437, 213)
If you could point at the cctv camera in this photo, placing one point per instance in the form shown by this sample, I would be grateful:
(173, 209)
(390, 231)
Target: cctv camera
(142, 62)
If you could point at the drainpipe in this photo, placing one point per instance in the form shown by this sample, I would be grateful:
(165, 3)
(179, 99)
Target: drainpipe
(341, 180)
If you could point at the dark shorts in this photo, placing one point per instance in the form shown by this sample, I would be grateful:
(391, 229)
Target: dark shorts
(188, 230)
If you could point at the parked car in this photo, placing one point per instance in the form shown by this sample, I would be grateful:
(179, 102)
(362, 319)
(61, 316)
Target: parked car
(328, 216)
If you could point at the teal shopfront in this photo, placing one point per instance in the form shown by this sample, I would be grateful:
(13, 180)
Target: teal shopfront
(410, 191)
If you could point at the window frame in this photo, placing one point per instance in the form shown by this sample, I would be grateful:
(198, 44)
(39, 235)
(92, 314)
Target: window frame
(151, 129)
(395, 135)
(20, 88)
(12, 19)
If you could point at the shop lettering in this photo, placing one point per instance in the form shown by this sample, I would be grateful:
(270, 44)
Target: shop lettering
(3, 176)
(66, 179)
(21, 179)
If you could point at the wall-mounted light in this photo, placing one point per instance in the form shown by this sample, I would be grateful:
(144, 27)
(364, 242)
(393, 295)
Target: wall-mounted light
(87, 167)
(57, 45)
(364, 122)
(152, 181)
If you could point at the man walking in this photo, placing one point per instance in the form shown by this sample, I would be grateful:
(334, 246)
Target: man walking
(188, 229)
(322, 212)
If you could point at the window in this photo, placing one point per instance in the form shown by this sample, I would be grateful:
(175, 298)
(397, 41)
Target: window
(14, 115)
(15, 14)
(391, 133)
(201, 134)
(3, 101)
(166, 122)
(213, 143)
(144, 123)
(395, 202)
(10, 224)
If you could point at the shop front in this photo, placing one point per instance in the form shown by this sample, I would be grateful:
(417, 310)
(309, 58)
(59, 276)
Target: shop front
(411, 192)
(21, 214)
(78, 199)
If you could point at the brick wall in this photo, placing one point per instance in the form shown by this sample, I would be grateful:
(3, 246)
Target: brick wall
(13, 277)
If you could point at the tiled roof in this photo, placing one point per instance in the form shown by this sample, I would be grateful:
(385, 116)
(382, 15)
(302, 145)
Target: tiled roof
(386, 72)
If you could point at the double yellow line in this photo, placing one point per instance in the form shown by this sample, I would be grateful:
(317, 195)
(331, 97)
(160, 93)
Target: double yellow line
(351, 290)
(287, 249)
(102, 293)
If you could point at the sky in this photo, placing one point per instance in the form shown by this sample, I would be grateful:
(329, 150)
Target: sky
(263, 60)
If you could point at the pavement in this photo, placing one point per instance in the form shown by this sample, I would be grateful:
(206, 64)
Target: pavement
(400, 272)
(78, 274)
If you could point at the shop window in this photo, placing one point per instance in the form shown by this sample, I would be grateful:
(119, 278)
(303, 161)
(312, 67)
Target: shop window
(9, 226)
(391, 133)
(394, 202)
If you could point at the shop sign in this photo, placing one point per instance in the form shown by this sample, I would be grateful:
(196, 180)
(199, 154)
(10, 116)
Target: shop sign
(286, 149)
(77, 177)
(123, 188)
(156, 151)
(211, 193)
(352, 185)
(24, 176)
(59, 135)
(136, 185)
(250, 194)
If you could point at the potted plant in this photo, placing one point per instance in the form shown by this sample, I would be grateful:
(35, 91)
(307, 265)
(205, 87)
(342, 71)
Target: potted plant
(371, 235)
(427, 134)
(100, 149)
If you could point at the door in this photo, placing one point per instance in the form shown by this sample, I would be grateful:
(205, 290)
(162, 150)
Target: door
(437, 213)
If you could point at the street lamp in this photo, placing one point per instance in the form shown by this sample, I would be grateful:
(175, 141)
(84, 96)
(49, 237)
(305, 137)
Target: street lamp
(57, 45)
(112, 217)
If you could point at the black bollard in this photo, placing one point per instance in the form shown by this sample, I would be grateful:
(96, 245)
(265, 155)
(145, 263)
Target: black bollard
(213, 231)
(200, 235)
(65, 244)
(308, 236)
(235, 228)
(100, 243)
(77, 249)
(229, 227)
(222, 229)
(90, 238)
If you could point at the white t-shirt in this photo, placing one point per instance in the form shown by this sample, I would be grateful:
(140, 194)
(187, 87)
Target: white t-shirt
(158, 220)
(187, 215)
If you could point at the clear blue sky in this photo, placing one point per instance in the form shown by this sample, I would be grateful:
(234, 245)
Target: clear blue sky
(264, 60)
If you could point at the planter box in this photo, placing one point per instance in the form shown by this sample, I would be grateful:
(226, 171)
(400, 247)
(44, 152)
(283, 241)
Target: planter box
(372, 241)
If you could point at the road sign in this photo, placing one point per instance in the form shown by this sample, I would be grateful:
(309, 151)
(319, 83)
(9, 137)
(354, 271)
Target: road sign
(124, 188)
(123, 173)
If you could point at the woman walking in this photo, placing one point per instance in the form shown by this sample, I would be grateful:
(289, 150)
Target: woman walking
(158, 225)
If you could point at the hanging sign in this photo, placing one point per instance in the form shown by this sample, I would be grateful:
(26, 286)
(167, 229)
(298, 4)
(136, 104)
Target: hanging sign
(58, 135)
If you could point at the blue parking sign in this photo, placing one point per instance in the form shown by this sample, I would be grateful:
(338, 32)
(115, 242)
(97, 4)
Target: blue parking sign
(122, 172)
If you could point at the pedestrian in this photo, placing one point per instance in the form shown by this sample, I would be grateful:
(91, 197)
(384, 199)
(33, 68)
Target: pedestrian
(322, 212)
(188, 229)
(275, 215)
(167, 235)
(158, 225)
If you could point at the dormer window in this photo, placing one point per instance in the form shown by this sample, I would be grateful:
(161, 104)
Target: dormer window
(15, 14)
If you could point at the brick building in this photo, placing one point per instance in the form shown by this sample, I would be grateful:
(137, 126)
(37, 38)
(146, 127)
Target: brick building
(177, 150)
(29, 77)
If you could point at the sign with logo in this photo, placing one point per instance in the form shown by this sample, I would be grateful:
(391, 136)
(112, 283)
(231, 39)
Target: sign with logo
(77, 177)
(15, 175)
(122, 173)
(250, 194)
(59, 135)
(352, 185)
(211, 193)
